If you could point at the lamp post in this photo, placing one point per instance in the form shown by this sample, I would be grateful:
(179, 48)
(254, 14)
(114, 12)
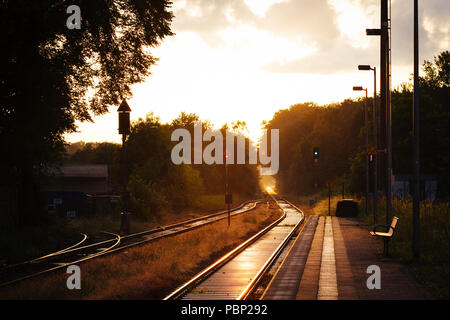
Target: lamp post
(367, 144)
(375, 140)
(124, 129)
(385, 104)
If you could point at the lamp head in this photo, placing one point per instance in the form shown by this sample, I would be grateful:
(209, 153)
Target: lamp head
(373, 32)
(364, 67)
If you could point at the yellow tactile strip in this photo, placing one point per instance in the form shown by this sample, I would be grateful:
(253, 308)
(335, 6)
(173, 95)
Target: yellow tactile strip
(327, 278)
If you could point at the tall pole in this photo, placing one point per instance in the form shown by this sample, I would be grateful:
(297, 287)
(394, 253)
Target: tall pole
(125, 228)
(124, 129)
(227, 191)
(386, 27)
(416, 153)
(366, 114)
(329, 198)
(375, 145)
(383, 77)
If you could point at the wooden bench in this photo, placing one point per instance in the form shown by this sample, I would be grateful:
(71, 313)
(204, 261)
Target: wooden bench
(385, 235)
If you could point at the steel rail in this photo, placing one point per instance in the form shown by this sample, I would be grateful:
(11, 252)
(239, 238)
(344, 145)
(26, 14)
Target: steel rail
(180, 291)
(76, 247)
(118, 238)
(63, 265)
(16, 265)
(269, 262)
(203, 275)
(194, 220)
(61, 251)
(135, 244)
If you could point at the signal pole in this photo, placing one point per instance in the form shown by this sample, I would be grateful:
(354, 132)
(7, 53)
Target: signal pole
(228, 198)
(124, 129)
(316, 160)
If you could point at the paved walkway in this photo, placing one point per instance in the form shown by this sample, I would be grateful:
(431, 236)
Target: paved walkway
(330, 262)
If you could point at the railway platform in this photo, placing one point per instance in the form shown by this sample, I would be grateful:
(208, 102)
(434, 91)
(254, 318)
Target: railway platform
(333, 258)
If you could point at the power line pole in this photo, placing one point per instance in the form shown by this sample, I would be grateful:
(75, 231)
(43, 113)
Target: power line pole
(388, 125)
(383, 77)
(386, 119)
(416, 152)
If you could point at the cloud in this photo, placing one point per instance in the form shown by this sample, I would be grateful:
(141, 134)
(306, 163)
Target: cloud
(341, 55)
(342, 58)
(206, 18)
(334, 28)
(311, 20)
(434, 29)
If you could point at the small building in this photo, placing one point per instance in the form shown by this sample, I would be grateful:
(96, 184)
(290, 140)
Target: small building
(402, 186)
(90, 179)
(79, 190)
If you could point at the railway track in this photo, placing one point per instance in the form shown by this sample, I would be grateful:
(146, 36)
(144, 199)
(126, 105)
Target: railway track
(81, 252)
(237, 274)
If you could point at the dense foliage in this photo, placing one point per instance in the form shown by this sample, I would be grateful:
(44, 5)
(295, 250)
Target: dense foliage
(156, 184)
(338, 131)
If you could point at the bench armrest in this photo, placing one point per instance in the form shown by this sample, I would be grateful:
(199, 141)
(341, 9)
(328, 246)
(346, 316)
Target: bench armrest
(381, 225)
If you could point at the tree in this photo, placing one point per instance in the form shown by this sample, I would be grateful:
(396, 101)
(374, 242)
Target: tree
(338, 130)
(335, 129)
(437, 74)
(52, 76)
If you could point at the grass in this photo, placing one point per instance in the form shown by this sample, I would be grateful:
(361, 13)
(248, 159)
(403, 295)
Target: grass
(320, 206)
(150, 271)
(216, 202)
(29, 242)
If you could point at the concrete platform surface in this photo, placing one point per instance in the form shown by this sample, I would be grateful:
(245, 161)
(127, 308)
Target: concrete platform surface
(335, 259)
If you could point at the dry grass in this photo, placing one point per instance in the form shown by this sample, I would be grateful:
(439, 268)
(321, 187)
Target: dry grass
(319, 208)
(28, 242)
(150, 271)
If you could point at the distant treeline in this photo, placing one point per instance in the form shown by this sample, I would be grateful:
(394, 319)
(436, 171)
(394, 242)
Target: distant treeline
(338, 131)
(154, 182)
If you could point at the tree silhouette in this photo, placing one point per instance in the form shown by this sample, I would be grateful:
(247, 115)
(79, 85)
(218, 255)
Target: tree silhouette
(52, 76)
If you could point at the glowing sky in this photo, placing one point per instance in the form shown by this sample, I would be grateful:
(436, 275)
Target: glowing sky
(245, 59)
